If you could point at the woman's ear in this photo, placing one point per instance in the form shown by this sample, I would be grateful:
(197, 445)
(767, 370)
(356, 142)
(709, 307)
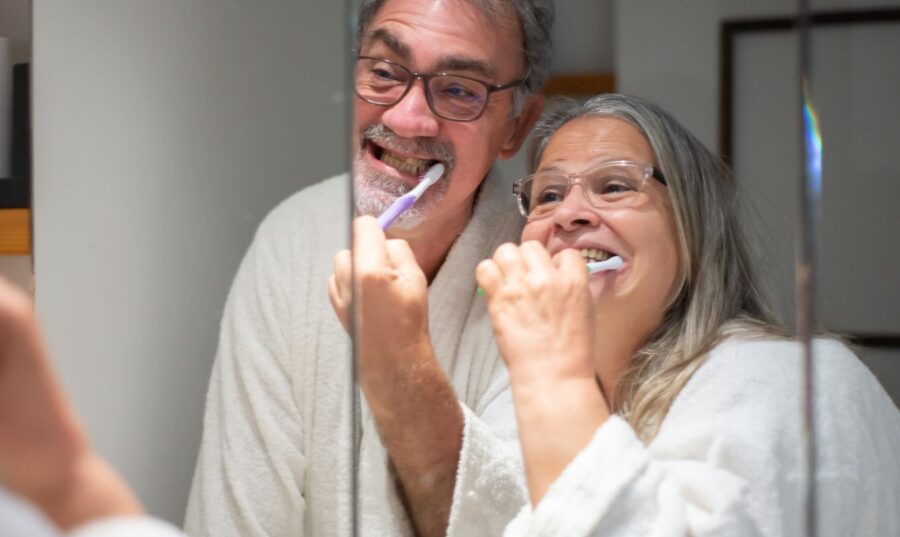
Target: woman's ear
(522, 125)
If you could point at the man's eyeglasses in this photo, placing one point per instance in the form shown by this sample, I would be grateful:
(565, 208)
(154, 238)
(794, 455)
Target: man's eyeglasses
(610, 184)
(453, 97)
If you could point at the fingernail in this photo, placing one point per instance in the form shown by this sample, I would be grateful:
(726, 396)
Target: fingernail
(480, 291)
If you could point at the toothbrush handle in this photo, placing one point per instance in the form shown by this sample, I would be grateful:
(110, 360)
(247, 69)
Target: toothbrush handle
(395, 210)
(614, 263)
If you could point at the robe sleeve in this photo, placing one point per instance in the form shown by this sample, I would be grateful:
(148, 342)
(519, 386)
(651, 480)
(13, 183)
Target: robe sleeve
(615, 487)
(490, 481)
(127, 527)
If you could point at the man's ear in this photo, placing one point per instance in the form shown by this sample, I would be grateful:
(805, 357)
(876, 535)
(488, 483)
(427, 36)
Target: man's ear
(522, 124)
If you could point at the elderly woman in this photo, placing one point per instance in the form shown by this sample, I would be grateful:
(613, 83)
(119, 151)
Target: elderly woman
(662, 398)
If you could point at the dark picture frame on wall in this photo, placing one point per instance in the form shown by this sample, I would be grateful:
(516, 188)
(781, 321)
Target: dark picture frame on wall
(15, 190)
(731, 31)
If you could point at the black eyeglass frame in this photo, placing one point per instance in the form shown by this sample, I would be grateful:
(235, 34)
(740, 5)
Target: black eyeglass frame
(654, 172)
(426, 79)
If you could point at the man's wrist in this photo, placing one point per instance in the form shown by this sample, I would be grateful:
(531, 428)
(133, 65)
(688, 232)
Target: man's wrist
(411, 405)
(392, 378)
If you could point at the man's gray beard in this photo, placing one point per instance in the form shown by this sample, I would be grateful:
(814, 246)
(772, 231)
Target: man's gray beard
(375, 191)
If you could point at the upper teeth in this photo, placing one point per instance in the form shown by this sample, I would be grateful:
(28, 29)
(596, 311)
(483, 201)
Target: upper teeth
(406, 164)
(593, 254)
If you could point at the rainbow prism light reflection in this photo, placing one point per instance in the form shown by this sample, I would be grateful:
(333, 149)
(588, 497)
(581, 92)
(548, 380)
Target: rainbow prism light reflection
(812, 135)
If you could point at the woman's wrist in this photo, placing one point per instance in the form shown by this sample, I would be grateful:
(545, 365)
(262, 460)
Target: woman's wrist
(556, 420)
(552, 399)
(536, 376)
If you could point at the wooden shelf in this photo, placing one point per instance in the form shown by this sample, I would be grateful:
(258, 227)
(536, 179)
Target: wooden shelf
(581, 84)
(15, 231)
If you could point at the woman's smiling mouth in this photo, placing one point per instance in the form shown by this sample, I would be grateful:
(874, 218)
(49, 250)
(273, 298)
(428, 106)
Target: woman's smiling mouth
(592, 255)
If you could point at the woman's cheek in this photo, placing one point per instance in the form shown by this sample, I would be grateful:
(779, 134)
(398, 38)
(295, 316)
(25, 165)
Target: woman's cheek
(535, 231)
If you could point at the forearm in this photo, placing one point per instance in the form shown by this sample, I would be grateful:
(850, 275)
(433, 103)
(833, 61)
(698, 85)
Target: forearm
(556, 421)
(421, 425)
(88, 491)
(45, 456)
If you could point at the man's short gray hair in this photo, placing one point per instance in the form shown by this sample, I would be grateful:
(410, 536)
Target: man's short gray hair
(536, 19)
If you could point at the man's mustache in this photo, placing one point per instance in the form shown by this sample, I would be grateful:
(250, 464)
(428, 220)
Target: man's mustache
(419, 146)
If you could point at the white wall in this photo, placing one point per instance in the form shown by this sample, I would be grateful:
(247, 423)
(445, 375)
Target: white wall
(163, 133)
(583, 36)
(668, 51)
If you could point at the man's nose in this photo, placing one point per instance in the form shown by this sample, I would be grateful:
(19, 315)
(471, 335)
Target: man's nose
(412, 116)
(575, 211)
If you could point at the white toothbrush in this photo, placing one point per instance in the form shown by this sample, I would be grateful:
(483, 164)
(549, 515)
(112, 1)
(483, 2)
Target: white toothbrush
(613, 263)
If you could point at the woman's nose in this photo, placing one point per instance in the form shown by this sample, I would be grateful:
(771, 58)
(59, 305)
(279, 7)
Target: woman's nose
(575, 211)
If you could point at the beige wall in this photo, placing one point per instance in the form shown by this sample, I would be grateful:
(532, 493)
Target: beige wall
(17, 269)
(163, 133)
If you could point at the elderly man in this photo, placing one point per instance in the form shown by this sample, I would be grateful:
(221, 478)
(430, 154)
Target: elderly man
(450, 81)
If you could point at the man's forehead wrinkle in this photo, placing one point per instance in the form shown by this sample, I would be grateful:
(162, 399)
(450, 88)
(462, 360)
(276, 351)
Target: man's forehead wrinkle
(460, 63)
(443, 63)
(391, 41)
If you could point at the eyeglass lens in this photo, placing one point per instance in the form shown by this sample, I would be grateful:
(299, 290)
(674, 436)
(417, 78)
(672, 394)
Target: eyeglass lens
(618, 186)
(449, 96)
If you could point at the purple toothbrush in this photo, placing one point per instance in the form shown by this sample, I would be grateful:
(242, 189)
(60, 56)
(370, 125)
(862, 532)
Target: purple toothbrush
(407, 200)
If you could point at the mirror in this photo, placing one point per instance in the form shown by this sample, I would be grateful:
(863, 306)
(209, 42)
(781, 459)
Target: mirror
(727, 72)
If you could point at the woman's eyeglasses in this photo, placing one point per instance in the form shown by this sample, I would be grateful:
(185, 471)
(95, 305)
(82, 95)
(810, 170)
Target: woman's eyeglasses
(610, 184)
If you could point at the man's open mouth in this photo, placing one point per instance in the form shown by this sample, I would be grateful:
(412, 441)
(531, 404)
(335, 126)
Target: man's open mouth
(411, 165)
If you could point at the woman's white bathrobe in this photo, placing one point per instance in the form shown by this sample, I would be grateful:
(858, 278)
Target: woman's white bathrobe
(276, 453)
(728, 458)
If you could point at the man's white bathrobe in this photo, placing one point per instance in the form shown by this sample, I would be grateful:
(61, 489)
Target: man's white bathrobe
(276, 453)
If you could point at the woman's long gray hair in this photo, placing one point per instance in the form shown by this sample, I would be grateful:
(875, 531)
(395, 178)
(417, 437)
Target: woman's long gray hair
(717, 293)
